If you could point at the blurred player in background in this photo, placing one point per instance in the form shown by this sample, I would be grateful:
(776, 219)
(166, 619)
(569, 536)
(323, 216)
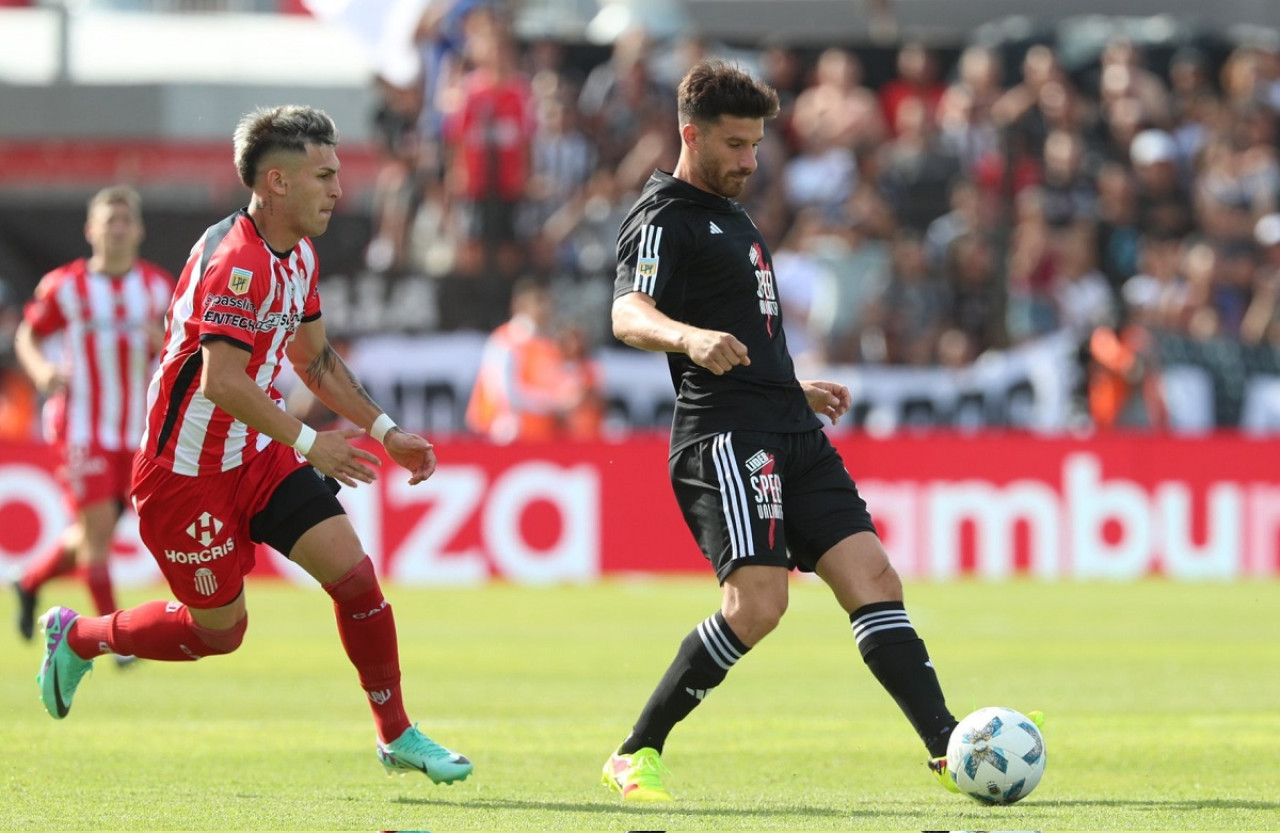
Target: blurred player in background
(759, 484)
(223, 466)
(109, 310)
(524, 391)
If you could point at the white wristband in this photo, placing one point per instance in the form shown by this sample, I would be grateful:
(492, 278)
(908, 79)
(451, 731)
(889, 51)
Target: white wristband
(381, 426)
(306, 437)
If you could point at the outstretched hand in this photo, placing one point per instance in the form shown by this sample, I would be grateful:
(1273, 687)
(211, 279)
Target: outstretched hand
(413, 452)
(830, 399)
(333, 454)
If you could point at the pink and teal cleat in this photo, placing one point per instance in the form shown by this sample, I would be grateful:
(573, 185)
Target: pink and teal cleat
(62, 669)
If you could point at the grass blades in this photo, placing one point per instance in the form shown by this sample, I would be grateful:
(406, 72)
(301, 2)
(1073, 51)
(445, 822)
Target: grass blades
(1161, 702)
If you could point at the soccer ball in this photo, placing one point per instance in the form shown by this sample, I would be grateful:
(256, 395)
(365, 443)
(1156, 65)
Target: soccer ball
(996, 755)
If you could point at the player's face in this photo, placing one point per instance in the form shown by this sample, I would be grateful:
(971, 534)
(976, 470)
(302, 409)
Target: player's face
(726, 154)
(313, 189)
(113, 231)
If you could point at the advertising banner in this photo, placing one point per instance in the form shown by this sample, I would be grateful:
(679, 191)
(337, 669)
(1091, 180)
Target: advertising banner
(946, 506)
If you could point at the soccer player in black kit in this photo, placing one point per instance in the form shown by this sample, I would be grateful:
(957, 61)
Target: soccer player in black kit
(760, 486)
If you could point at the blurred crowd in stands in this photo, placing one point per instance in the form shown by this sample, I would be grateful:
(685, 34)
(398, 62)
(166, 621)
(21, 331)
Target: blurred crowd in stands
(925, 222)
(968, 203)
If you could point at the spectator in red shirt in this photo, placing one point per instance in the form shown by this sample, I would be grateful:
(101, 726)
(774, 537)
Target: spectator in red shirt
(917, 78)
(490, 137)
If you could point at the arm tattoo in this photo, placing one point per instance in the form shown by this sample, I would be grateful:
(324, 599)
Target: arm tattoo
(325, 363)
(322, 365)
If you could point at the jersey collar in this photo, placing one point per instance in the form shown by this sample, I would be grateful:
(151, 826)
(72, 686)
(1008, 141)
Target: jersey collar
(668, 181)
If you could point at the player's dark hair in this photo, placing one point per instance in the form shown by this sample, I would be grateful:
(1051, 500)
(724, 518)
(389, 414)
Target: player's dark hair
(714, 88)
(289, 127)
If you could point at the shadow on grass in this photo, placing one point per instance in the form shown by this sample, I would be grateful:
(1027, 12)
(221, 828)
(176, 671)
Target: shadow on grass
(1157, 804)
(614, 808)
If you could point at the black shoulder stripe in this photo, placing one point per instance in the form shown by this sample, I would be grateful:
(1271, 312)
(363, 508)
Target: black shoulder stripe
(213, 237)
(186, 375)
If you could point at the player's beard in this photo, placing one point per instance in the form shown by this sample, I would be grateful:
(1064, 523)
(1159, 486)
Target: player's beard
(726, 183)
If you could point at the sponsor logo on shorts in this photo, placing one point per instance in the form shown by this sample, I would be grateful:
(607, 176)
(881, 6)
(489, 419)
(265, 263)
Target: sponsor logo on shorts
(758, 461)
(201, 556)
(204, 528)
(767, 487)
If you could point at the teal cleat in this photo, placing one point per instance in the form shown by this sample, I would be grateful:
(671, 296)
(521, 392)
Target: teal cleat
(414, 751)
(62, 670)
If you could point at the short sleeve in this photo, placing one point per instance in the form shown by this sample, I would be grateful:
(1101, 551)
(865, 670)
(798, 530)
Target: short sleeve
(311, 306)
(43, 313)
(229, 298)
(648, 254)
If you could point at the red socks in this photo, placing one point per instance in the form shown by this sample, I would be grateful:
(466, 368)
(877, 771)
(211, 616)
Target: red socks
(368, 632)
(166, 631)
(155, 630)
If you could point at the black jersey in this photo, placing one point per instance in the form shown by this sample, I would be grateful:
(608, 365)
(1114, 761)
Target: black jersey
(699, 256)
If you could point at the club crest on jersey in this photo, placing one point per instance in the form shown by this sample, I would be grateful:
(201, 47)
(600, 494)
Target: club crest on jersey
(240, 280)
(766, 290)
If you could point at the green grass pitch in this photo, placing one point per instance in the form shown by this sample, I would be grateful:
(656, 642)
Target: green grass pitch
(1163, 707)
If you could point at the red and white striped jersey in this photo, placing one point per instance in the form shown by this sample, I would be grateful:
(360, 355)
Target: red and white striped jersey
(235, 288)
(107, 351)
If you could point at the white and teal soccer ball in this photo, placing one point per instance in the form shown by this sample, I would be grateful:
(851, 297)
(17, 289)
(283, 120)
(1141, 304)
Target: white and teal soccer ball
(996, 755)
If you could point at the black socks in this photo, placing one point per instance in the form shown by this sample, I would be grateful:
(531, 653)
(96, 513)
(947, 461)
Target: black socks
(897, 656)
(704, 658)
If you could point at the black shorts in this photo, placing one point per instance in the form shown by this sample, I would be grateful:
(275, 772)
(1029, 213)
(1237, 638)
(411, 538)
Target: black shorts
(758, 498)
(302, 500)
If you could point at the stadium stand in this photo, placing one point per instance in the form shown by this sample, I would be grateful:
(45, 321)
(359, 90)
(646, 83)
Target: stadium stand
(1005, 183)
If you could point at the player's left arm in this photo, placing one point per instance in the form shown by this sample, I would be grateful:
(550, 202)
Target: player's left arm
(830, 399)
(324, 372)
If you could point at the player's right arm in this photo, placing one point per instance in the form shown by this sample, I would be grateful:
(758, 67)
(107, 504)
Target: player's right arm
(225, 381)
(41, 318)
(44, 374)
(638, 322)
(651, 244)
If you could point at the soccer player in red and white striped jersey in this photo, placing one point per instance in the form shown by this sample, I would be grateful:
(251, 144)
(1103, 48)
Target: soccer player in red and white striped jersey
(107, 309)
(223, 466)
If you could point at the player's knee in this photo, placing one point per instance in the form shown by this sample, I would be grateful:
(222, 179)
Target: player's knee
(771, 611)
(217, 642)
(754, 619)
(885, 584)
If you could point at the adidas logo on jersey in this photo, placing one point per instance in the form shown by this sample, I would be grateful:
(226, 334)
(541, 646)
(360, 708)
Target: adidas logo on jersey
(716, 229)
